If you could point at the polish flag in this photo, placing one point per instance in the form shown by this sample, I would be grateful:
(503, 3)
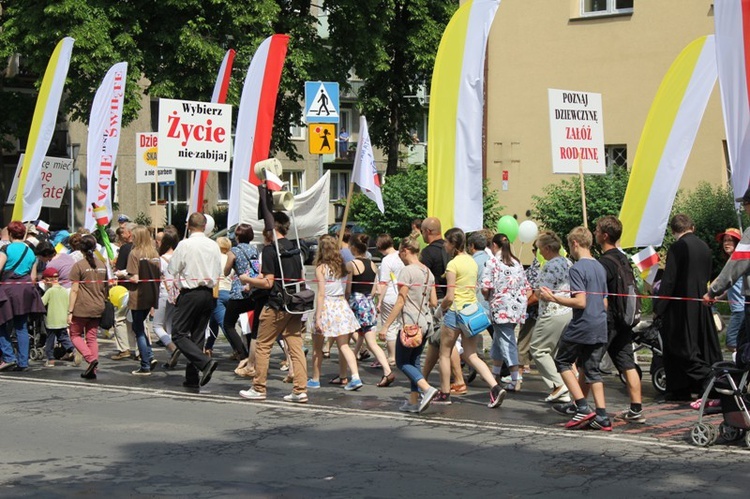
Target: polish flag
(197, 191)
(741, 252)
(273, 183)
(255, 116)
(645, 259)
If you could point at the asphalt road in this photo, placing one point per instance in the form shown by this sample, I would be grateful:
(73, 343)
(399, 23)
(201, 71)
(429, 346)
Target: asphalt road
(123, 436)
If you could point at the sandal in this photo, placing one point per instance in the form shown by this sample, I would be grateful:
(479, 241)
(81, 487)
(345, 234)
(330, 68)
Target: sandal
(338, 380)
(326, 355)
(363, 355)
(386, 380)
(710, 404)
(457, 389)
(375, 364)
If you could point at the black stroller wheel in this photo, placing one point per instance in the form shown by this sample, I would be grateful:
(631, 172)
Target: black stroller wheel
(730, 433)
(624, 380)
(659, 379)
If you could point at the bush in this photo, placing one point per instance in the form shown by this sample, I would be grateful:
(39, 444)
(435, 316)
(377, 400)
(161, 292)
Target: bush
(712, 209)
(220, 214)
(560, 208)
(405, 198)
(142, 219)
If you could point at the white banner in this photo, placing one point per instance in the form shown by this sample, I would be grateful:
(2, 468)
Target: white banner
(577, 131)
(103, 141)
(146, 159)
(310, 209)
(194, 135)
(55, 176)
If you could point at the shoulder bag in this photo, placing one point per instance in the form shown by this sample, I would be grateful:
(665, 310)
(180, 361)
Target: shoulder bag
(412, 334)
(472, 319)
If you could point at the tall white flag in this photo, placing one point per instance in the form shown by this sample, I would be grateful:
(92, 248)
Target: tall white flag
(364, 173)
(103, 141)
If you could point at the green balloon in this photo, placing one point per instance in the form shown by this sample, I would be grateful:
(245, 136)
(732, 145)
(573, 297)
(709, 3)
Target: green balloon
(509, 226)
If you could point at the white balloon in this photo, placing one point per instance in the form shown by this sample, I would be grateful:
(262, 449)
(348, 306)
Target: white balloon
(527, 231)
(210, 224)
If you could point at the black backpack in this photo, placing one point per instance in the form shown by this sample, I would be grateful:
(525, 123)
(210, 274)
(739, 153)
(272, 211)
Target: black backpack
(626, 306)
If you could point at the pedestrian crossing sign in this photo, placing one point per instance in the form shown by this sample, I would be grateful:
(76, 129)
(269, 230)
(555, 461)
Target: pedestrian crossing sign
(322, 138)
(321, 102)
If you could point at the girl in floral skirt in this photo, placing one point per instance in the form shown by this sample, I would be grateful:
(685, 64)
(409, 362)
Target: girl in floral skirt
(333, 317)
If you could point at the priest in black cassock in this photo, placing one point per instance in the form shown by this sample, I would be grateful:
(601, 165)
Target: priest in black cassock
(691, 344)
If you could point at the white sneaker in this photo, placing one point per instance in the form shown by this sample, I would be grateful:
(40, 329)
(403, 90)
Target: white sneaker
(509, 379)
(409, 407)
(251, 394)
(300, 398)
(558, 394)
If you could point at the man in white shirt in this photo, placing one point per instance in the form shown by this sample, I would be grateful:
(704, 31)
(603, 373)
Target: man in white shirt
(196, 267)
(390, 266)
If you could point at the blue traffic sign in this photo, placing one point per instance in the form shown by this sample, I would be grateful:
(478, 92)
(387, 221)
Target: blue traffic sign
(321, 102)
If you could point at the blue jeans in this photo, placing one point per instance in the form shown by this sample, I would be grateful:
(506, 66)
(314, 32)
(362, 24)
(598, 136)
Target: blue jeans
(53, 336)
(736, 320)
(144, 347)
(22, 336)
(217, 319)
(407, 359)
(504, 345)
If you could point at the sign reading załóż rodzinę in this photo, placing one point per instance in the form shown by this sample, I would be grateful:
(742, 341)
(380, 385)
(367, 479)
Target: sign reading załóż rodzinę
(194, 135)
(146, 160)
(577, 131)
(55, 176)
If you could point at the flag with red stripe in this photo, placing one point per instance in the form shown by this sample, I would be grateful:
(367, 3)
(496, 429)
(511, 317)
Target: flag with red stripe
(197, 192)
(255, 116)
(732, 25)
(646, 258)
(741, 252)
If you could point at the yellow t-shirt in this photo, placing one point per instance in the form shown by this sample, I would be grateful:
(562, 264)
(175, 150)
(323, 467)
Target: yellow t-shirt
(466, 271)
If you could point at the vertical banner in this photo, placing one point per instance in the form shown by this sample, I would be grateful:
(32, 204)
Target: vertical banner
(255, 116)
(103, 141)
(667, 138)
(219, 96)
(454, 145)
(732, 26)
(29, 204)
(364, 173)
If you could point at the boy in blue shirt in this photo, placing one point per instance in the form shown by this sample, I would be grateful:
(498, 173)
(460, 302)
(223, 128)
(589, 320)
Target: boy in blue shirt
(584, 340)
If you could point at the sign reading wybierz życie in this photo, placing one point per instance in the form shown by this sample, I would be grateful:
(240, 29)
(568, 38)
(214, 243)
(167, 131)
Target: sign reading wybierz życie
(576, 131)
(194, 135)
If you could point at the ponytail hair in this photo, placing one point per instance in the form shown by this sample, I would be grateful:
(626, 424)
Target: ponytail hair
(87, 247)
(506, 252)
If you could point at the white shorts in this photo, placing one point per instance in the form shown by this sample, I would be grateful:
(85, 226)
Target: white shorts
(385, 311)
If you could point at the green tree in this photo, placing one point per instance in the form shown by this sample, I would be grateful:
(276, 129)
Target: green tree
(712, 209)
(391, 45)
(404, 197)
(560, 209)
(493, 210)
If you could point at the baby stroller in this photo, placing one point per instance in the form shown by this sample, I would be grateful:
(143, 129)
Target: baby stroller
(37, 337)
(730, 382)
(646, 336)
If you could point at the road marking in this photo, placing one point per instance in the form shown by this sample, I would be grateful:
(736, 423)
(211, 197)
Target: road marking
(341, 411)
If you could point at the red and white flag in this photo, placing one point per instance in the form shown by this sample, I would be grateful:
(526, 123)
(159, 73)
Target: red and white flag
(647, 261)
(273, 183)
(364, 173)
(197, 192)
(741, 252)
(255, 117)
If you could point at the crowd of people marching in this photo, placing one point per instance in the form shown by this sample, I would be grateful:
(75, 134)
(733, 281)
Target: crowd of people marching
(417, 310)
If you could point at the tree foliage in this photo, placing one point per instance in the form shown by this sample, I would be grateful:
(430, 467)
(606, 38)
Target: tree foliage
(560, 208)
(391, 45)
(712, 209)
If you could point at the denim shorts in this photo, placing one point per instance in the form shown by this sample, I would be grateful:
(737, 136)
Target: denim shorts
(504, 347)
(450, 319)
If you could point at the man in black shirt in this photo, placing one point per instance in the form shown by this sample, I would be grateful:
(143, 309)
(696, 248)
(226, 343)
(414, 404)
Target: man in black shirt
(620, 336)
(275, 319)
(434, 257)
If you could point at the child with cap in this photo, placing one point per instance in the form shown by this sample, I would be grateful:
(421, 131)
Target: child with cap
(729, 240)
(56, 299)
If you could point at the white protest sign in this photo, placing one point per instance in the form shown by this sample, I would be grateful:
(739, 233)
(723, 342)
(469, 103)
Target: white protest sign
(146, 160)
(55, 176)
(194, 135)
(577, 131)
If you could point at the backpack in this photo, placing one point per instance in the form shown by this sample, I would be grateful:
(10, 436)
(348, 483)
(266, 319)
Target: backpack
(625, 309)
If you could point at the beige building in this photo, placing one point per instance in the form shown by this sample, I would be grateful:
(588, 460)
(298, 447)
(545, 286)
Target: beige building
(619, 48)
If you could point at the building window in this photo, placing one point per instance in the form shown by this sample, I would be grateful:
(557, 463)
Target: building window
(339, 184)
(225, 185)
(616, 156)
(606, 7)
(298, 132)
(294, 181)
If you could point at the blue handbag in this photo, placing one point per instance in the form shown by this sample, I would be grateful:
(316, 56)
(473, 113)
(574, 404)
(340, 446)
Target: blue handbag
(472, 319)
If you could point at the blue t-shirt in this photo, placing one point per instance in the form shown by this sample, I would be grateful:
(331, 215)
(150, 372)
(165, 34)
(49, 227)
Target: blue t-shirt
(14, 252)
(245, 262)
(588, 325)
(736, 298)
